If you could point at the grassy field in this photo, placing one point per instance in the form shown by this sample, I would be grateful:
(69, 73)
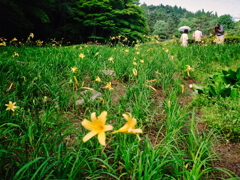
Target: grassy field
(117, 112)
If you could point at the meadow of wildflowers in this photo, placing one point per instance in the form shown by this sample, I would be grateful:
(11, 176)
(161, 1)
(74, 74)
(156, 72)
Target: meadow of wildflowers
(93, 111)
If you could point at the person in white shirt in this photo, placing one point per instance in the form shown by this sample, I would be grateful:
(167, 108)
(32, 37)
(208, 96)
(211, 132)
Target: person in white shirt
(184, 38)
(197, 35)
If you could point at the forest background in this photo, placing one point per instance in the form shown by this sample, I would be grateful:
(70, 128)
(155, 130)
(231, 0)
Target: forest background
(81, 21)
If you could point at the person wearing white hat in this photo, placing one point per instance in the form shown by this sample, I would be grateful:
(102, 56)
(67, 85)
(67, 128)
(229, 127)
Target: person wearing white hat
(197, 35)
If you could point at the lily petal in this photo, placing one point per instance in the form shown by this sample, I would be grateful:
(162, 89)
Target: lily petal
(93, 117)
(108, 127)
(102, 138)
(124, 128)
(89, 136)
(137, 130)
(103, 116)
(131, 121)
(88, 125)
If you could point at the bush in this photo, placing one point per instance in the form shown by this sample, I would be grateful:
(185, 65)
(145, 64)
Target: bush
(232, 39)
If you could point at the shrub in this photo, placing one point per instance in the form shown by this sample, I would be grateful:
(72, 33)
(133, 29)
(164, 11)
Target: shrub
(232, 39)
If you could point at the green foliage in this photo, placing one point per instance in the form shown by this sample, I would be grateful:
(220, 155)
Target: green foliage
(222, 84)
(170, 27)
(232, 39)
(220, 114)
(176, 17)
(110, 18)
(23, 16)
(226, 21)
(235, 31)
(159, 28)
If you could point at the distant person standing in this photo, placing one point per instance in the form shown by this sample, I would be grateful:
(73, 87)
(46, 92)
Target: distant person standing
(219, 32)
(197, 35)
(184, 38)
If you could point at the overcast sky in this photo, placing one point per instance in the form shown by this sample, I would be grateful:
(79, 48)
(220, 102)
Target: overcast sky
(222, 7)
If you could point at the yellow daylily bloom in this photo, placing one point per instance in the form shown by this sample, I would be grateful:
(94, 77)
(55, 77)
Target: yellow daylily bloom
(81, 55)
(134, 63)
(76, 82)
(141, 61)
(39, 43)
(10, 87)
(188, 69)
(101, 99)
(31, 35)
(91, 89)
(14, 39)
(15, 55)
(3, 44)
(98, 79)
(97, 127)
(129, 126)
(126, 51)
(137, 52)
(11, 106)
(111, 59)
(182, 86)
(169, 104)
(74, 69)
(152, 88)
(134, 72)
(45, 98)
(108, 86)
(153, 80)
(24, 78)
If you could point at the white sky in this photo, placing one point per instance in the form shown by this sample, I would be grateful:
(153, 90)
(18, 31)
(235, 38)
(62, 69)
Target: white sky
(222, 7)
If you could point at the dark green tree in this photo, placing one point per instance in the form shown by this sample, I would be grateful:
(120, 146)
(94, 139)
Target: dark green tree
(159, 29)
(226, 21)
(19, 17)
(100, 19)
(170, 27)
(131, 21)
(202, 20)
(95, 19)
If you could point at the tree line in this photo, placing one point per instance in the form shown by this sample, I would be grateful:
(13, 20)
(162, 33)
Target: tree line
(80, 21)
(164, 21)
